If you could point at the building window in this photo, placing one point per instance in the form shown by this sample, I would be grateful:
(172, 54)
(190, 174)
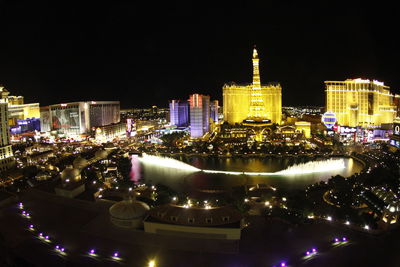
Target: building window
(190, 220)
(208, 220)
(174, 218)
(225, 219)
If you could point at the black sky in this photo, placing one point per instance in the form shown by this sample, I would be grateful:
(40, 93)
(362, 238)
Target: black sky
(147, 54)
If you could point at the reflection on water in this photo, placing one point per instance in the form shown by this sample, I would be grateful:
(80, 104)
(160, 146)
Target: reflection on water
(188, 179)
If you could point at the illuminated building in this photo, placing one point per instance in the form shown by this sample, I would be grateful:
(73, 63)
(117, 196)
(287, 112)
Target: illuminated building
(109, 132)
(15, 100)
(301, 111)
(359, 102)
(24, 111)
(77, 118)
(234, 134)
(303, 127)
(199, 114)
(397, 104)
(21, 117)
(253, 101)
(6, 154)
(130, 127)
(154, 109)
(214, 108)
(23, 126)
(179, 113)
(395, 138)
(39, 157)
(384, 203)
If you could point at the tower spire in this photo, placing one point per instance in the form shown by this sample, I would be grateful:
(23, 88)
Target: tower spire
(257, 107)
(256, 71)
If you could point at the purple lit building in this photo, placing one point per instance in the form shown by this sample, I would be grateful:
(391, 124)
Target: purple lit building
(23, 126)
(179, 113)
(199, 114)
(214, 110)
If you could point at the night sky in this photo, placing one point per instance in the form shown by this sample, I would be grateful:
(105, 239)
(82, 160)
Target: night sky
(147, 54)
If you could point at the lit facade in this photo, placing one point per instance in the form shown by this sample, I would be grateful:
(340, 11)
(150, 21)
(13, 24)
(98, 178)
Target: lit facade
(6, 155)
(254, 101)
(79, 117)
(24, 111)
(359, 102)
(15, 100)
(21, 114)
(303, 127)
(214, 108)
(109, 132)
(395, 137)
(199, 114)
(179, 113)
(23, 126)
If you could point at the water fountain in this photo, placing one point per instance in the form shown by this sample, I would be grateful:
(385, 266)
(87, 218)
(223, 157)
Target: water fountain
(301, 168)
(180, 176)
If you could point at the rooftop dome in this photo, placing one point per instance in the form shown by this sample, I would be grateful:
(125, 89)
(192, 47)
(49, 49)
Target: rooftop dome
(128, 210)
(80, 163)
(71, 174)
(101, 153)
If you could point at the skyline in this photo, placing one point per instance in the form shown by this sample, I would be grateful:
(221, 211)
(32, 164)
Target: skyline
(114, 54)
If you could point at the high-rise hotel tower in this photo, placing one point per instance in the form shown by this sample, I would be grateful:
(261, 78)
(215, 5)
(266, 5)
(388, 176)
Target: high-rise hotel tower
(359, 102)
(179, 113)
(252, 101)
(199, 114)
(6, 155)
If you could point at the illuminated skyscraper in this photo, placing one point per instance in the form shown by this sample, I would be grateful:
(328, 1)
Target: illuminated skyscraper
(6, 155)
(214, 108)
(199, 114)
(253, 101)
(179, 113)
(359, 102)
(21, 117)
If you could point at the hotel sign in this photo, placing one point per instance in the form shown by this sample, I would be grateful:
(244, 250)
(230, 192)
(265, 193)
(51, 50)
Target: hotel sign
(346, 129)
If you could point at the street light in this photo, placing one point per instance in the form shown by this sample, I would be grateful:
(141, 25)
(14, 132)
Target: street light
(152, 263)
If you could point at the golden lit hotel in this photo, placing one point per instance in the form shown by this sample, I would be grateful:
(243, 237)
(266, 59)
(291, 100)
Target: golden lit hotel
(241, 102)
(359, 102)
